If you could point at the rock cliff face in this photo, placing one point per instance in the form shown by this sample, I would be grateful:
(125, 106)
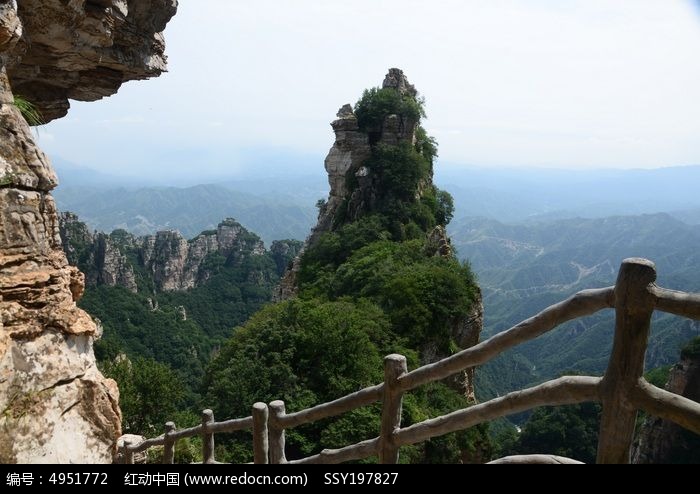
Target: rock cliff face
(177, 264)
(351, 149)
(170, 262)
(98, 256)
(56, 406)
(661, 441)
(86, 49)
(345, 162)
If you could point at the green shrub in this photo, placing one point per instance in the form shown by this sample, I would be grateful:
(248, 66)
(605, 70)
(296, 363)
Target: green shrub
(150, 394)
(692, 349)
(377, 104)
(29, 111)
(569, 431)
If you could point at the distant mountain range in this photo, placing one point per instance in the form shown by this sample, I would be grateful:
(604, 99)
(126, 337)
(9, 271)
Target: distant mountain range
(533, 236)
(275, 208)
(283, 206)
(144, 211)
(524, 268)
(520, 195)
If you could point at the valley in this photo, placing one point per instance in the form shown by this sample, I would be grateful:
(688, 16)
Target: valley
(537, 247)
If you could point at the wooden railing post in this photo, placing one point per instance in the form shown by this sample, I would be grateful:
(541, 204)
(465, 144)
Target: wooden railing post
(634, 305)
(260, 438)
(128, 453)
(276, 433)
(394, 367)
(168, 444)
(207, 438)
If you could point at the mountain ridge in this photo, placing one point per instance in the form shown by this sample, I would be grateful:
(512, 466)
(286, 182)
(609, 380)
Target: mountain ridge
(524, 268)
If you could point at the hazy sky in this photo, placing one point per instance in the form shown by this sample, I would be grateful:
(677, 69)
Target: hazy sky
(557, 83)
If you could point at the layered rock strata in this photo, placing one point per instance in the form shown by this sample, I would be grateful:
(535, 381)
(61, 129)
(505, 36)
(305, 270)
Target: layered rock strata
(56, 407)
(172, 262)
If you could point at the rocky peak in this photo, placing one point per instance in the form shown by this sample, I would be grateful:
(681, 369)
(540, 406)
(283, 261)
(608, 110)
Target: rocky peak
(100, 257)
(396, 79)
(345, 163)
(74, 235)
(172, 262)
(380, 165)
(57, 407)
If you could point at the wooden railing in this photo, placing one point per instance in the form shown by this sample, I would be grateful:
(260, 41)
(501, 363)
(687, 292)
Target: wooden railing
(622, 391)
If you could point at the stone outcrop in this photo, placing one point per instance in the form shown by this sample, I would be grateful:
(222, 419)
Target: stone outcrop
(55, 405)
(661, 441)
(355, 190)
(86, 49)
(98, 256)
(349, 152)
(177, 264)
(351, 149)
(172, 262)
(345, 164)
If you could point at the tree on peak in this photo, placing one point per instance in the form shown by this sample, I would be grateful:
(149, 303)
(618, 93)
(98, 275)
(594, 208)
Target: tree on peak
(376, 104)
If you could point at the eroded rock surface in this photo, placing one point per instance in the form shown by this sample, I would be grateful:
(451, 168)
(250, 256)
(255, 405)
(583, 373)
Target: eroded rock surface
(55, 406)
(662, 441)
(173, 262)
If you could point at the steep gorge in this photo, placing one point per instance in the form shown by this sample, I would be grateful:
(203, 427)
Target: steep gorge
(56, 405)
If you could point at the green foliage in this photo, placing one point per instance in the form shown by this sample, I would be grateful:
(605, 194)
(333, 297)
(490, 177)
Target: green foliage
(469, 446)
(377, 104)
(692, 349)
(303, 352)
(150, 393)
(133, 328)
(445, 208)
(333, 248)
(504, 437)
(29, 111)
(569, 431)
(399, 170)
(423, 297)
(659, 376)
(235, 289)
(306, 352)
(426, 145)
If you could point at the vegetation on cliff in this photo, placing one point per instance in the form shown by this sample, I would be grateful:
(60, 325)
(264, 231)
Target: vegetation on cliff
(28, 110)
(370, 286)
(378, 103)
(170, 335)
